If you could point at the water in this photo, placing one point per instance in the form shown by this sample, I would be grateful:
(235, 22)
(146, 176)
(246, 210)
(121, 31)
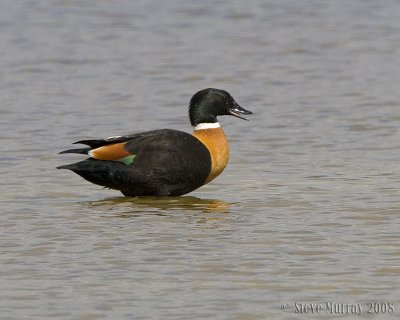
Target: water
(307, 210)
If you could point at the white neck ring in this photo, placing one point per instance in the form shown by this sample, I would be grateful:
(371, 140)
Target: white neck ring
(203, 126)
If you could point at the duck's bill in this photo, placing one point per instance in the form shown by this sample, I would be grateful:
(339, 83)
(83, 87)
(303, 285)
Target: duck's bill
(239, 112)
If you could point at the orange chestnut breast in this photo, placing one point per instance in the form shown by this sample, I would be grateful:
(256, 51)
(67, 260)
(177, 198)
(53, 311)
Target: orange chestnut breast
(215, 141)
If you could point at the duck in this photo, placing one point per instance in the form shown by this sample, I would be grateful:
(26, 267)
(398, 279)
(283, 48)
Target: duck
(163, 162)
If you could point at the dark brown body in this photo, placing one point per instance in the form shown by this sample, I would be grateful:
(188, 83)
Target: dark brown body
(167, 163)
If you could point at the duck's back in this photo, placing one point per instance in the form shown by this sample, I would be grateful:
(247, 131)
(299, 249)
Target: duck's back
(162, 162)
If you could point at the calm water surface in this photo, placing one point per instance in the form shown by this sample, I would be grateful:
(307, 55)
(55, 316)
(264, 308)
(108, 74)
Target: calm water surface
(307, 210)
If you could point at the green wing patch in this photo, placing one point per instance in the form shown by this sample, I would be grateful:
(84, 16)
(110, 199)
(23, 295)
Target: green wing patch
(128, 160)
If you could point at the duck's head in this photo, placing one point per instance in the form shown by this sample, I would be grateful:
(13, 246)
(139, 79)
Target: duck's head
(206, 105)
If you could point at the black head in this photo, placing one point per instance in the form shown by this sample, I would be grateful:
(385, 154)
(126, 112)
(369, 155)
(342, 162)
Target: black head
(209, 103)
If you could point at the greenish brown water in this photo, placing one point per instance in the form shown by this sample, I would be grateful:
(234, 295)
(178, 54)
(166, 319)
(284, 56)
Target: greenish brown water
(307, 210)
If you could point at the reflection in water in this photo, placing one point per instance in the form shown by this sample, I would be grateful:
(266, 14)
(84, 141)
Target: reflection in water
(206, 213)
(165, 203)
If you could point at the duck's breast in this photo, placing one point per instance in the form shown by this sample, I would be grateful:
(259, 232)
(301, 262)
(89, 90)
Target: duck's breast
(215, 141)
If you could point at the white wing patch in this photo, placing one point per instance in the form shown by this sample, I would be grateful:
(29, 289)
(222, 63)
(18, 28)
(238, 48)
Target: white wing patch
(112, 138)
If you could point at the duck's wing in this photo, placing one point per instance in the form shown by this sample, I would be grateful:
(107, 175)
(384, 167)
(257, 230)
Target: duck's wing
(126, 146)
(93, 144)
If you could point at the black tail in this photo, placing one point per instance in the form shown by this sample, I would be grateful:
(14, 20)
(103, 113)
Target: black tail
(80, 151)
(67, 166)
(110, 174)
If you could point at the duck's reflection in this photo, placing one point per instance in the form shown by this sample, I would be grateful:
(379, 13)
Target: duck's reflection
(164, 204)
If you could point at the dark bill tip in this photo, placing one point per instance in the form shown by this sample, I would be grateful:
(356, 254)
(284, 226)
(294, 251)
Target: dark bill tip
(239, 112)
